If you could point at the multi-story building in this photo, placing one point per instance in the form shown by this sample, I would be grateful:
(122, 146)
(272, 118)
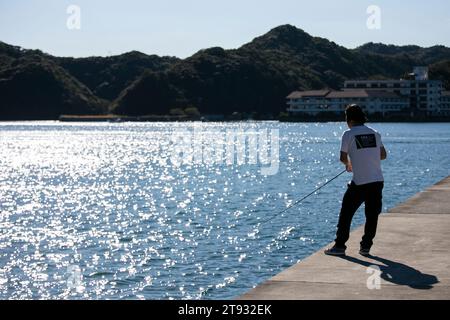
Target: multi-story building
(411, 96)
(424, 95)
(372, 101)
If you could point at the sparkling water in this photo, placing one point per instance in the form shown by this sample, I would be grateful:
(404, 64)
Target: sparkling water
(99, 211)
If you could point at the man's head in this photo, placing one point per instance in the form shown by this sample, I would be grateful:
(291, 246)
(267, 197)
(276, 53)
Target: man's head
(354, 115)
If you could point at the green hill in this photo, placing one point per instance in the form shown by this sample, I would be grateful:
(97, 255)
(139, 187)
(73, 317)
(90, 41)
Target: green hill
(37, 88)
(253, 78)
(107, 77)
(259, 75)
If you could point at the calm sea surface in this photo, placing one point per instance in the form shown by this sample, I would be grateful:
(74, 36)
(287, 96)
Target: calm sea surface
(99, 210)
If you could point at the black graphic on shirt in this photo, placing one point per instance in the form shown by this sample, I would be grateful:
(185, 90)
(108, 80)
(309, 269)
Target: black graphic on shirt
(365, 141)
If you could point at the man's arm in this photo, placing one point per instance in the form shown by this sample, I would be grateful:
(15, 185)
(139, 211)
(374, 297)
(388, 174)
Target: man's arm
(383, 153)
(344, 159)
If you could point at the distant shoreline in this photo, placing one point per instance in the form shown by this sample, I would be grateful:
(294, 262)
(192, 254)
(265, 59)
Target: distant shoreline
(233, 118)
(170, 118)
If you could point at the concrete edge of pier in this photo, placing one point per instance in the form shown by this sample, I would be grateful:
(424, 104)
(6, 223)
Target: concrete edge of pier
(410, 259)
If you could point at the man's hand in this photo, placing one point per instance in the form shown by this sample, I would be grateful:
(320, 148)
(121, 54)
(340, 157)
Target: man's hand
(348, 167)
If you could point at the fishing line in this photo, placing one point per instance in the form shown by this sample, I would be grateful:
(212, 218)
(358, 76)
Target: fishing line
(247, 254)
(302, 199)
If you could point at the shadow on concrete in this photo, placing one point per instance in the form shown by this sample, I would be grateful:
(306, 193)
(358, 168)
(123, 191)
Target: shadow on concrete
(398, 273)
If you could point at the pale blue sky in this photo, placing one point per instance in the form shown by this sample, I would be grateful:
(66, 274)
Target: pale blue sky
(182, 27)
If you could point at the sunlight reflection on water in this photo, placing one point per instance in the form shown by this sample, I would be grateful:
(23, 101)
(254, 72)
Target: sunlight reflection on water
(106, 199)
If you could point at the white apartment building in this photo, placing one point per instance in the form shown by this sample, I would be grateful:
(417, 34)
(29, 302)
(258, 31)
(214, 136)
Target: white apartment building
(424, 95)
(371, 101)
(414, 95)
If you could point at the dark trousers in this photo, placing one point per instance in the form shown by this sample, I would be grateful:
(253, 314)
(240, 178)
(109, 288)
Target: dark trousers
(371, 195)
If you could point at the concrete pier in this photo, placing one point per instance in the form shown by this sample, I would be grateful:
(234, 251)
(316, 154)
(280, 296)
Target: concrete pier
(411, 252)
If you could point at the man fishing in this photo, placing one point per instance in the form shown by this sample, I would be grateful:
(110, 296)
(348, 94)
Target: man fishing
(361, 153)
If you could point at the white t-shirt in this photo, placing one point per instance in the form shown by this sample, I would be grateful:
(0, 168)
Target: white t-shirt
(362, 144)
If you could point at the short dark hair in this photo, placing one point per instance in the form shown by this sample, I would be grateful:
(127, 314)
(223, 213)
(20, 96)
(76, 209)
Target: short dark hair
(353, 112)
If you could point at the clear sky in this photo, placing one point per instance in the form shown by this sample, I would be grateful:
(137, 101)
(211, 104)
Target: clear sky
(182, 27)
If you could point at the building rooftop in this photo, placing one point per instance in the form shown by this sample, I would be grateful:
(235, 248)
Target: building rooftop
(382, 94)
(388, 81)
(362, 93)
(348, 93)
(309, 93)
(356, 93)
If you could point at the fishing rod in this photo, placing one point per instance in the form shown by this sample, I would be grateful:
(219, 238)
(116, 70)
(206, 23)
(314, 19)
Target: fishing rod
(302, 199)
(209, 290)
(308, 195)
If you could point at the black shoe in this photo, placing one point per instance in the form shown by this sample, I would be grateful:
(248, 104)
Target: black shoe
(364, 252)
(335, 251)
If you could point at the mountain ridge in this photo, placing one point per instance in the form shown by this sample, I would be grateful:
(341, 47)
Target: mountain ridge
(255, 77)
